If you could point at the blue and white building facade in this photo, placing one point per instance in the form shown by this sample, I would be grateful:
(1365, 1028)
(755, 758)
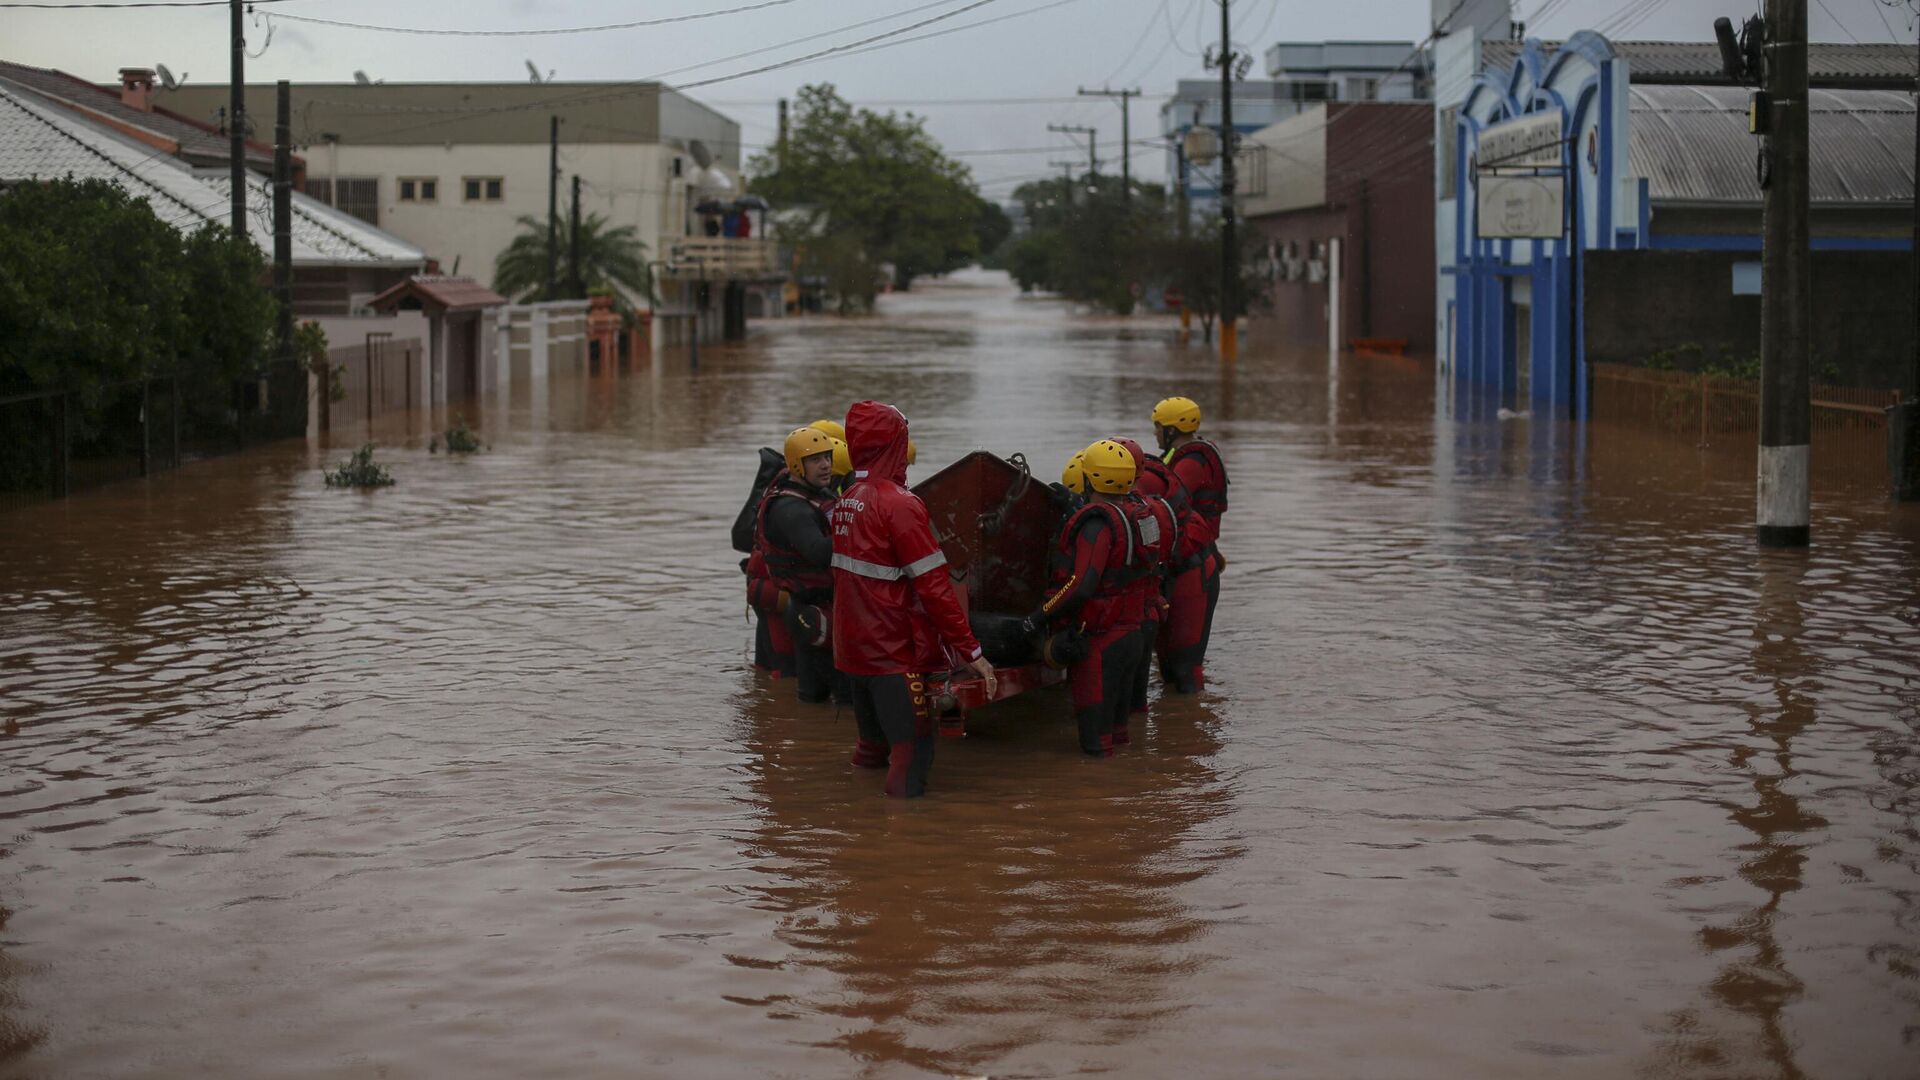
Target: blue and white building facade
(1556, 124)
(1549, 155)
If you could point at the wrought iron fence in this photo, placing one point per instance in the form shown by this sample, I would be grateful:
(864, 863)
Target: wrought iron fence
(56, 442)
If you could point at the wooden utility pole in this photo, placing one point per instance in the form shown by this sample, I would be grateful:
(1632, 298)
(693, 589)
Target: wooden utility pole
(237, 122)
(1229, 252)
(1126, 134)
(283, 222)
(1783, 504)
(553, 205)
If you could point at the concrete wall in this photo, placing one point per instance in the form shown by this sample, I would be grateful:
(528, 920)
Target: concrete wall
(628, 183)
(1643, 302)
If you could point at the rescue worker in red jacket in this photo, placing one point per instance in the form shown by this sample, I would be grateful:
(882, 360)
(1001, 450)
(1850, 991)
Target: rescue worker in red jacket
(1195, 586)
(896, 619)
(792, 543)
(1094, 609)
(1163, 498)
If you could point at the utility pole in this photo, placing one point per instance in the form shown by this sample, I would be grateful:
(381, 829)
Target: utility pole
(1066, 176)
(553, 204)
(1903, 420)
(578, 284)
(1783, 504)
(283, 222)
(237, 122)
(1093, 136)
(780, 142)
(1229, 253)
(1126, 133)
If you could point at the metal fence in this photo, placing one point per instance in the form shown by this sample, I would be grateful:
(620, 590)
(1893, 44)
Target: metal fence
(1719, 408)
(378, 376)
(54, 442)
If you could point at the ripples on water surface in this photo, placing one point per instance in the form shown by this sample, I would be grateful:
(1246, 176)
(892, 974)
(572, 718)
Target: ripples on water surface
(1519, 760)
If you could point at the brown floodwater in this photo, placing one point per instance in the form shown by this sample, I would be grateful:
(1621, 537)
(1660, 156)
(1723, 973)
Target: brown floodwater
(1519, 759)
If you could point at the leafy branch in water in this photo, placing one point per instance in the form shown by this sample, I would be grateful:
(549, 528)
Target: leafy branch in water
(360, 471)
(460, 438)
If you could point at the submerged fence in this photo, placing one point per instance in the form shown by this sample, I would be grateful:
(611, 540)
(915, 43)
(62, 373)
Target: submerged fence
(56, 442)
(1715, 409)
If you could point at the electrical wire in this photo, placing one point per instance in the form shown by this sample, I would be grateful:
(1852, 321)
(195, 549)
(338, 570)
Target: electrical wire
(136, 4)
(443, 32)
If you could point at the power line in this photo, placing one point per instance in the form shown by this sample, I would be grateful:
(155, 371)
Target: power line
(441, 32)
(135, 4)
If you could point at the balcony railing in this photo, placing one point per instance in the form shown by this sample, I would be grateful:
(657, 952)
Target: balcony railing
(717, 258)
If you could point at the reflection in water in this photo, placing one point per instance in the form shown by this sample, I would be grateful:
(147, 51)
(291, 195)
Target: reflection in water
(1036, 907)
(469, 776)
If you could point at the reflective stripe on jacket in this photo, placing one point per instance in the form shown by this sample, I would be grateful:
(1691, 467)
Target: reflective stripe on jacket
(894, 608)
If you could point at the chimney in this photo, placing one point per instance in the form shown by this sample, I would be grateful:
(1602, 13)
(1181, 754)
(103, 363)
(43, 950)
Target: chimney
(136, 88)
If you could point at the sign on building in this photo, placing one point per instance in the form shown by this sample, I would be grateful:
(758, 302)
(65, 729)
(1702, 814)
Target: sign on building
(1529, 142)
(1519, 190)
(1520, 206)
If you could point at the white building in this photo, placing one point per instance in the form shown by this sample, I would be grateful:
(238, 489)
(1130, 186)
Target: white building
(452, 167)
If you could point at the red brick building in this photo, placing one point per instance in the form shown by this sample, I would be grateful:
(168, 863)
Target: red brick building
(1342, 197)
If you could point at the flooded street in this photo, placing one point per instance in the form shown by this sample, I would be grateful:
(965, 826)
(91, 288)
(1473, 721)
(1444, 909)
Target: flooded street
(1519, 759)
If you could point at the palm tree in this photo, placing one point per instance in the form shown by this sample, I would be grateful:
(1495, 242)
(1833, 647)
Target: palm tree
(609, 258)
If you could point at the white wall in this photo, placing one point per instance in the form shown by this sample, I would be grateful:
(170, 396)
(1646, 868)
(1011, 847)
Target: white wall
(629, 183)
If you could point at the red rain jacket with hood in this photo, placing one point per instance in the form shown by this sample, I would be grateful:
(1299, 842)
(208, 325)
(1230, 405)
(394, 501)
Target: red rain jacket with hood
(894, 609)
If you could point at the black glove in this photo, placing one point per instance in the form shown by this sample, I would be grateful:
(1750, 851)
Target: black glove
(1061, 497)
(1065, 649)
(813, 622)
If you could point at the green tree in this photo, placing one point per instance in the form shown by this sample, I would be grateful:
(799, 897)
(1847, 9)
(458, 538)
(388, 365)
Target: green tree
(879, 178)
(614, 259)
(96, 292)
(91, 288)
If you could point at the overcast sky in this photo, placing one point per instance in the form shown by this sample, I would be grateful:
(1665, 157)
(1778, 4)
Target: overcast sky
(1036, 49)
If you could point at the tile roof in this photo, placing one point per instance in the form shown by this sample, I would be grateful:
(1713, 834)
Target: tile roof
(1698, 62)
(44, 142)
(439, 292)
(1692, 145)
(197, 141)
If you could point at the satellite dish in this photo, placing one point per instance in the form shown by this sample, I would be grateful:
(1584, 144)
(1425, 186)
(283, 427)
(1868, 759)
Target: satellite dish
(360, 77)
(166, 77)
(701, 155)
(533, 73)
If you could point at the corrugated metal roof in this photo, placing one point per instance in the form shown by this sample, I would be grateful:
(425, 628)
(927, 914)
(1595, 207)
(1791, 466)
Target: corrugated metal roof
(1692, 145)
(44, 142)
(195, 140)
(1698, 62)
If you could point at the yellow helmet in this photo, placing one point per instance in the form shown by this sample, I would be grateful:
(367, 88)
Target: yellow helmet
(1071, 476)
(842, 460)
(831, 427)
(803, 443)
(912, 452)
(1109, 468)
(1179, 413)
